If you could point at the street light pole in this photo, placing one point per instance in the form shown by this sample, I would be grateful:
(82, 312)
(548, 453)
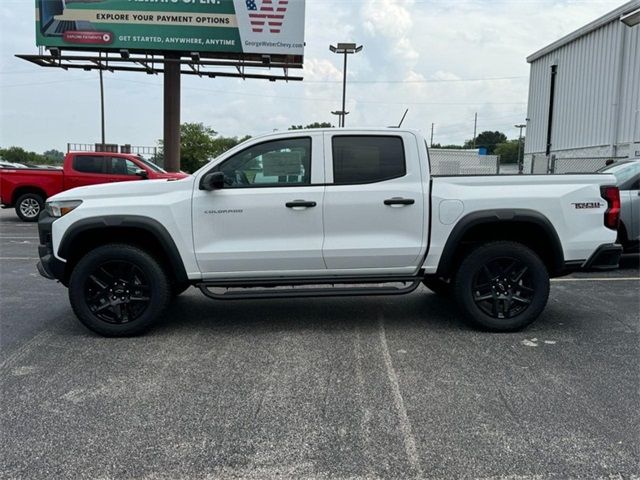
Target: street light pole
(344, 88)
(520, 162)
(344, 49)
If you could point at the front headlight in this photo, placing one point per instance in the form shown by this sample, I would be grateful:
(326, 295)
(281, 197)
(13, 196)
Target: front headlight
(59, 209)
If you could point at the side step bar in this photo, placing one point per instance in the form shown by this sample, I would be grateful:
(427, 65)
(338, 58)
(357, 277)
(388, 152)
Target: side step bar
(309, 287)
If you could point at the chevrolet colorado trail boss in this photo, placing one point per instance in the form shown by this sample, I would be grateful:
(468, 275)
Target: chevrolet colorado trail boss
(326, 213)
(26, 189)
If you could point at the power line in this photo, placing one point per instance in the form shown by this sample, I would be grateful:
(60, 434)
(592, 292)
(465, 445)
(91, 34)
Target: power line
(452, 80)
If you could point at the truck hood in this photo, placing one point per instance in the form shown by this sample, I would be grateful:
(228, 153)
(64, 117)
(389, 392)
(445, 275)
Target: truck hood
(126, 189)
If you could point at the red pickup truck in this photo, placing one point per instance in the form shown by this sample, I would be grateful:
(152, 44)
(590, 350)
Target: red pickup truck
(26, 189)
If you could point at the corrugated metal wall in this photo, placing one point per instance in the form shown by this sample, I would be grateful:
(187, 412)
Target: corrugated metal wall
(630, 93)
(586, 86)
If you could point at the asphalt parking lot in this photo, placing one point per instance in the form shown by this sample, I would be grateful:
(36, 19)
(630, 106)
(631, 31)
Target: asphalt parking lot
(369, 387)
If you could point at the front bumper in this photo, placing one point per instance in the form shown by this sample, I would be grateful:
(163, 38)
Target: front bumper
(49, 266)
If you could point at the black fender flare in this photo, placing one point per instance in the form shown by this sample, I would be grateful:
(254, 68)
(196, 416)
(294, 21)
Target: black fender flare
(506, 215)
(150, 225)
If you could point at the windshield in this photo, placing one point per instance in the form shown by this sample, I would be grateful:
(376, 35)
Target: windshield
(622, 171)
(152, 165)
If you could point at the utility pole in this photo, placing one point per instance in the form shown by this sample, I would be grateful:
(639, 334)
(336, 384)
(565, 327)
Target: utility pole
(520, 159)
(102, 108)
(475, 129)
(344, 49)
(431, 143)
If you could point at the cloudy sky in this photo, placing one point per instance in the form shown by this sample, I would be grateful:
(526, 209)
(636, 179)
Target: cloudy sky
(443, 60)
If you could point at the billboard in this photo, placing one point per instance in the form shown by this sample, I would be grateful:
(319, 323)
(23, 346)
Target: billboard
(266, 27)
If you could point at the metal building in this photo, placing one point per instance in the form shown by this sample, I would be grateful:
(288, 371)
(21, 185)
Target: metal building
(584, 94)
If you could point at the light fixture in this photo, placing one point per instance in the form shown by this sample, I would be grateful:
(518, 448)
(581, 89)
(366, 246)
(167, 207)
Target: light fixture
(125, 54)
(631, 19)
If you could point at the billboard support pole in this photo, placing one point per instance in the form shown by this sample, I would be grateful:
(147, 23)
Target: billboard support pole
(102, 107)
(172, 113)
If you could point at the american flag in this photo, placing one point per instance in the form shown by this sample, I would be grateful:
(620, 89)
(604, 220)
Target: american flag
(271, 12)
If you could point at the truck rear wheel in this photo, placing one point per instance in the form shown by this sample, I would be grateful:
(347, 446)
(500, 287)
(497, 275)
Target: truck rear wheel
(29, 206)
(502, 286)
(118, 290)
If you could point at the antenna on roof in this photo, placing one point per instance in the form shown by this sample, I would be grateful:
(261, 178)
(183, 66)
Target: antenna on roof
(402, 120)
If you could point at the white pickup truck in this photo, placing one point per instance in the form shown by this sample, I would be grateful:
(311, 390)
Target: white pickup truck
(326, 213)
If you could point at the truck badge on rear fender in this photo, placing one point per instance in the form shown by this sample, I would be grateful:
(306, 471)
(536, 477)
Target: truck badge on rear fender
(581, 205)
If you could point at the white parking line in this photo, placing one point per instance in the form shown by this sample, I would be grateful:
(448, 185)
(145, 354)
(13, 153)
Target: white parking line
(405, 424)
(599, 279)
(19, 258)
(18, 238)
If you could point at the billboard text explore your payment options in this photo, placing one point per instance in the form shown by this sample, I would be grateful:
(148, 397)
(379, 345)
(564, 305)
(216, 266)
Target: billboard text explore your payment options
(268, 27)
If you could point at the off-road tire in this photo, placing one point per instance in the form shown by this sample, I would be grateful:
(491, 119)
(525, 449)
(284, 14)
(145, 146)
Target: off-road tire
(469, 286)
(157, 289)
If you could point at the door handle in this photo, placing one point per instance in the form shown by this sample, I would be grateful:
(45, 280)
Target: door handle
(399, 201)
(300, 204)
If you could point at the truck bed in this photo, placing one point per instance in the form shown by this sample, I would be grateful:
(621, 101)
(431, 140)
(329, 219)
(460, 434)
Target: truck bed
(47, 180)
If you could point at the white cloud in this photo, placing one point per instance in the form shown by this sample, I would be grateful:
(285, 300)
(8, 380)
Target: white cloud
(392, 19)
(321, 69)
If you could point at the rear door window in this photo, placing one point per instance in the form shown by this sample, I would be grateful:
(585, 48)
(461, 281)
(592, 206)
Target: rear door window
(89, 164)
(361, 159)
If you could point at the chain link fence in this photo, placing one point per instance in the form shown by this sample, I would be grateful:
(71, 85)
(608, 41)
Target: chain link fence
(550, 164)
(445, 162)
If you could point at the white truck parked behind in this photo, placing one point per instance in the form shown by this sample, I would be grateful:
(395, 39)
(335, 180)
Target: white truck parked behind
(327, 212)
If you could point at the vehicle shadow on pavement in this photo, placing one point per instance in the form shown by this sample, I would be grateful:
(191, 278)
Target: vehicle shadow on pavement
(421, 309)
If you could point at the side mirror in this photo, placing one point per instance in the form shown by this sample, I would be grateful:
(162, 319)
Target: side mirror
(142, 173)
(212, 181)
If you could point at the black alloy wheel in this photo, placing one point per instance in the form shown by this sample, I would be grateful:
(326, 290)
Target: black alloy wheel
(117, 292)
(503, 288)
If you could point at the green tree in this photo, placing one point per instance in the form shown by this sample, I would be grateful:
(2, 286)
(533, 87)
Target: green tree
(312, 125)
(53, 155)
(488, 140)
(20, 155)
(448, 147)
(199, 144)
(508, 151)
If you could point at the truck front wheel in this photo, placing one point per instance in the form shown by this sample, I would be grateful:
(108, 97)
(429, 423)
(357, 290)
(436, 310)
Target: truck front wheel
(29, 206)
(501, 286)
(118, 290)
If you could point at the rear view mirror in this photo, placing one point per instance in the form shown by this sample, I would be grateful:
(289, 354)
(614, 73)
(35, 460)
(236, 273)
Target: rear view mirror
(212, 181)
(142, 173)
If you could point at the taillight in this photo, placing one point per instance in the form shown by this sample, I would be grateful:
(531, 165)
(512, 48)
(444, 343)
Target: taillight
(612, 215)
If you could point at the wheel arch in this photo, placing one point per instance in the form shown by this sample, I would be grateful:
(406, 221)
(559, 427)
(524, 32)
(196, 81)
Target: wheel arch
(139, 231)
(529, 227)
(23, 190)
